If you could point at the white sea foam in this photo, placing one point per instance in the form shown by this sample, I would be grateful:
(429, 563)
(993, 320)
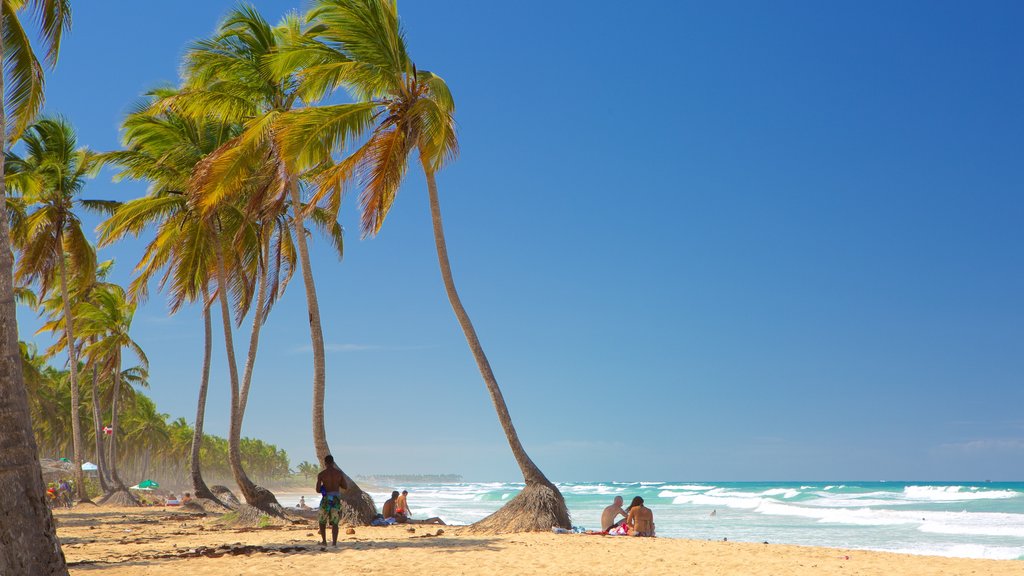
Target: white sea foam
(962, 551)
(954, 493)
(691, 487)
(671, 494)
(784, 492)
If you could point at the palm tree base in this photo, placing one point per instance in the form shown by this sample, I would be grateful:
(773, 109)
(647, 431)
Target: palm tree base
(119, 499)
(538, 508)
(357, 508)
(247, 516)
(225, 496)
(205, 505)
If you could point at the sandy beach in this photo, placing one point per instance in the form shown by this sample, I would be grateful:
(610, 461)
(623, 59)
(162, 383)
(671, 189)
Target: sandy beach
(167, 541)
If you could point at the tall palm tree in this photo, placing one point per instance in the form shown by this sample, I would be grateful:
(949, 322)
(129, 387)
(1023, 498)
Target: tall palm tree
(228, 77)
(50, 239)
(106, 321)
(163, 149)
(53, 307)
(359, 45)
(27, 519)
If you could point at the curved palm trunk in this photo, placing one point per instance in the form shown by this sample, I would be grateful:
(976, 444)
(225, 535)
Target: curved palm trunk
(316, 333)
(76, 416)
(115, 478)
(97, 417)
(531, 474)
(254, 342)
(199, 487)
(254, 495)
(361, 508)
(540, 505)
(28, 538)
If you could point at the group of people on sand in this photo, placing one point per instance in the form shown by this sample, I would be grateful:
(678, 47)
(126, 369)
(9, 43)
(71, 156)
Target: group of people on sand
(331, 481)
(637, 520)
(60, 494)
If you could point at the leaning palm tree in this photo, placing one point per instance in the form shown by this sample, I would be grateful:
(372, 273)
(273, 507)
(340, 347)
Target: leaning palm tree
(228, 77)
(163, 149)
(27, 519)
(51, 174)
(106, 321)
(359, 45)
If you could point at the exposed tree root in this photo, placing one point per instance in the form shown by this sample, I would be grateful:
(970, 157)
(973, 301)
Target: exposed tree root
(247, 516)
(357, 508)
(119, 498)
(226, 496)
(205, 505)
(539, 507)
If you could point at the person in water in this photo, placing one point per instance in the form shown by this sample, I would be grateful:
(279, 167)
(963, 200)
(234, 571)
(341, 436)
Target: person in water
(330, 482)
(610, 513)
(640, 518)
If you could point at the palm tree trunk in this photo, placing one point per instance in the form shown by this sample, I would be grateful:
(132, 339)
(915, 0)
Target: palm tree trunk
(114, 409)
(254, 495)
(199, 487)
(531, 474)
(540, 506)
(316, 333)
(101, 461)
(28, 534)
(254, 341)
(361, 508)
(76, 416)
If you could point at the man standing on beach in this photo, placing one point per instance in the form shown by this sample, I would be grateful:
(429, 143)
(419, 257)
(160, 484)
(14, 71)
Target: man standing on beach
(610, 512)
(329, 483)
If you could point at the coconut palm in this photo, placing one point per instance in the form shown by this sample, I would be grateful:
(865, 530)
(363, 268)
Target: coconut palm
(359, 45)
(106, 323)
(163, 149)
(228, 77)
(80, 289)
(27, 519)
(52, 246)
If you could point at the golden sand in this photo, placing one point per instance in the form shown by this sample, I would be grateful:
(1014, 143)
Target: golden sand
(166, 541)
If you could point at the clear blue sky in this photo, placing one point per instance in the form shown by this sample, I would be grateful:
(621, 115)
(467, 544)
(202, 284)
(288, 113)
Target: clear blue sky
(700, 240)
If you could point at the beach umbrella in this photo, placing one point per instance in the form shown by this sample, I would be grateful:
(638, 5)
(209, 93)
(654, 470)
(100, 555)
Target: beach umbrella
(90, 467)
(146, 485)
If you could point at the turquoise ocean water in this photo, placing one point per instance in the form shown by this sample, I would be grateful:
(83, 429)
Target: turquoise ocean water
(972, 520)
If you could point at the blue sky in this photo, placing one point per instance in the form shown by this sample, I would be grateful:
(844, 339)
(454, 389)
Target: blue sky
(718, 241)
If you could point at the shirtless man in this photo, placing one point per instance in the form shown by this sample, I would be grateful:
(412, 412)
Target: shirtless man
(404, 515)
(390, 507)
(640, 519)
(330, 482)
(610, 512)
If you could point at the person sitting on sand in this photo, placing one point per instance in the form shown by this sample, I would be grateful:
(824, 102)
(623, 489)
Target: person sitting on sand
(186, 498)
(302, 503)
(330, 482)
(404, 515)
(390, 509)
(640, 519)
(610, 512)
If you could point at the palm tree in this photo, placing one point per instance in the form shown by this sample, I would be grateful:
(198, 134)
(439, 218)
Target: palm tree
(79, 289)
(27, 519)
(164, 148)
(106, 321)
(50, 239)
(228, 77)
(359, 45)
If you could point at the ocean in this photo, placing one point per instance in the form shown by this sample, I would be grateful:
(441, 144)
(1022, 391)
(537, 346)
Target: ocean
(969, 520)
